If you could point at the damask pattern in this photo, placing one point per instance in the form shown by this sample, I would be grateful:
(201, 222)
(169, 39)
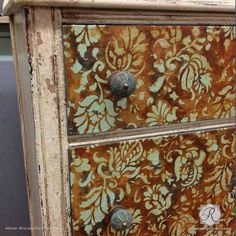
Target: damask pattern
(162, 181)
(183, 73)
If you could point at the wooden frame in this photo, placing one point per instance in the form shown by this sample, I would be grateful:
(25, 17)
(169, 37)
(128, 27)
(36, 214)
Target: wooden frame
(37, 46)
(150, 132)
(43, 119)
(103, 16)
(180, 5)
(4, 20)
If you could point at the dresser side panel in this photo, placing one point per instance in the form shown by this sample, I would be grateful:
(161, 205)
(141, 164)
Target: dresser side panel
(23, 81)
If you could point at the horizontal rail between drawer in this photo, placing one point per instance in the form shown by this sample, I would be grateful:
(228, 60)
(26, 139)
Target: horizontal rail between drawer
(127, 17)
(157, 131)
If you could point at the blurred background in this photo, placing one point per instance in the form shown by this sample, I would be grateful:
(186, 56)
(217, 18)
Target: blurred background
(13, 196)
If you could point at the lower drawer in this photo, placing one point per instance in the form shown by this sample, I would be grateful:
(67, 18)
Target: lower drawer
(168, 186)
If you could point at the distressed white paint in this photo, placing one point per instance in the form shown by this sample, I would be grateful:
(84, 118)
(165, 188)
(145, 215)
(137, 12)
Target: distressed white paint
(178, 5)
(19, 47)
(50, 128)
(43, 116)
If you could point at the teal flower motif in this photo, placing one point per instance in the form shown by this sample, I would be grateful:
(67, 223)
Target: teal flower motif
(157, 199)
(161, 114)
(194, 75)
(82, 165)
(95, 116)
(188, 167)
(87, 34)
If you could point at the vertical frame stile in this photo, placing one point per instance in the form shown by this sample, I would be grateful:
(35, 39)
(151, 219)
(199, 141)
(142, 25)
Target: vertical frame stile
(47, 87)
(59, 69)
(35, 89)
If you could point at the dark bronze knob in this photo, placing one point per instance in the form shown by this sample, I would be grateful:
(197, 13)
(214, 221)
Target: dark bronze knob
(121, 219)
(122, 84)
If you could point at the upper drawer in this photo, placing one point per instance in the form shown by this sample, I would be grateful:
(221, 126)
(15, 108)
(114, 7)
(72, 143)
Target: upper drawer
(182, 73)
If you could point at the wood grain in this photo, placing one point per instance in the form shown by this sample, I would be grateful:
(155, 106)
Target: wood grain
(118, 17)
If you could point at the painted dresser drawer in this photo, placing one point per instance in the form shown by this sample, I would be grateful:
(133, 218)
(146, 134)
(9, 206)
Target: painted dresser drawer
(163, 182)
(183, 74)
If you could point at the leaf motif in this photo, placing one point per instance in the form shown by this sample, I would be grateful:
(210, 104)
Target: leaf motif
(206, 80)
(225, 90)
(164, 43)
(81, 129)
(104, 125)
(219, 180)
(110, 107)
(192, 76)
(93, 87)
(227, 43)
(99, 159)
(88, 100)
(82, 49)
(76, 68)
(187, 40)
(150, 101)
(197, 47)
(122, 103)
(157, 85)
(183, 225)
(87, 181)
(187, 78)
(97, 201)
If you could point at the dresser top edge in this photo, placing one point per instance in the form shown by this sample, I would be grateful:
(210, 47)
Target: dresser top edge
(12, 6)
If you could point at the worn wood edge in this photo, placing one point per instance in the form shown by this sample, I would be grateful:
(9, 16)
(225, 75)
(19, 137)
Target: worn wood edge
(44, 32)
(150, 132)
(4, 20)
(11, 6)
(27, 127)
(103, 16)
(61, 93)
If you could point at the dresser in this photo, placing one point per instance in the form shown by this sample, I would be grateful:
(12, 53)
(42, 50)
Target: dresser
(128, 115)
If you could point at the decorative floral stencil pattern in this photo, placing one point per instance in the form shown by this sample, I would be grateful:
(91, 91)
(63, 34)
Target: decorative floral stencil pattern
(162, 181)
(183, 73)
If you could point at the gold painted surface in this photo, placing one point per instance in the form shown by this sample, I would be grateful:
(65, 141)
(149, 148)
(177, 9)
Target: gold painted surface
(163, 182)
(183, 74)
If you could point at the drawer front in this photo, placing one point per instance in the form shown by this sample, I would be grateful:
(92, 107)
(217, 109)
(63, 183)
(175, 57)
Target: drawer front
(182, 74)
(162, 182)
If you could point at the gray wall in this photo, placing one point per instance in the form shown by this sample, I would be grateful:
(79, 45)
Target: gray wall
(13, 197)
(1, 1)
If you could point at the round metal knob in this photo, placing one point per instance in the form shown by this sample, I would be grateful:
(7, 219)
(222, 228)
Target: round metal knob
(122, 84)
(121, 219)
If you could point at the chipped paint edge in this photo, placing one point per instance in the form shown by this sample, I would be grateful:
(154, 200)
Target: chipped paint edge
(44, 129)
(11, 6)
